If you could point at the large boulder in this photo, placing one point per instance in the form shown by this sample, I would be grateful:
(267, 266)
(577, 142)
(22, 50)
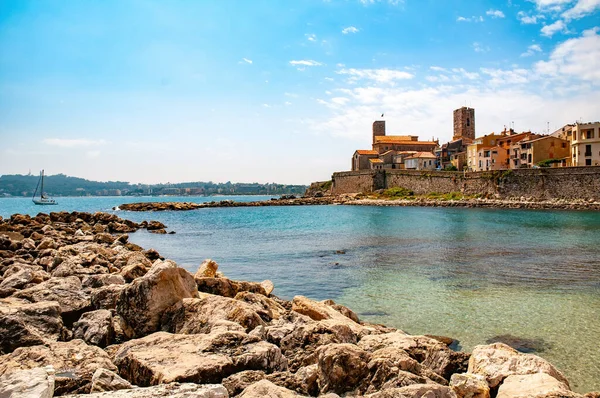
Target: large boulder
(67, 292)
(208, 269)
(142, 303)
(325, 312)
(467, 385)
(535, 385)
(29, 383)
(106, 297)
(265, 388)
(172, 390)
(226, 287)
(497, 361)
(95, 327)
(25, 324)
(191, 316)
(267, 308)
(106, 380)
(342, 367)
(74, 363)
(416, 391)
(200, 358)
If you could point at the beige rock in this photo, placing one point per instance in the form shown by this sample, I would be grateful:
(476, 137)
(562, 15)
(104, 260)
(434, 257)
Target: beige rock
(347, 312)
(535, 385)
(95, 327)
(208, 269)
(319, 311)
(342, 367)
(30, 383)
(133, 271)
(265, 388)
(497, 361)
(225, 287)
(106, 297)
(237, 382)
(46, 243)
(74, 363)
(200, 358)
(142, 303)
(467, 385)
(268, 286)
(96, 281)
(25, 324)
(106, 380)
(267, 308)
(172, 390)
(191, 316)
(416, 391)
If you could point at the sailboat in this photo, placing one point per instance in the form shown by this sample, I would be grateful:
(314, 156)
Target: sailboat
(43, 200)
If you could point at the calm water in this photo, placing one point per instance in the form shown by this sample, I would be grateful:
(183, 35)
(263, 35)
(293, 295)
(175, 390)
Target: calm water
(467, 273)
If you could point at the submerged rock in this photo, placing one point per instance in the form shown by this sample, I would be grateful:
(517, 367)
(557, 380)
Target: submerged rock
(520, 344)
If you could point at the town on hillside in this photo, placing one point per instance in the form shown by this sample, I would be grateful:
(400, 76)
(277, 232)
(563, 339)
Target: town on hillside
(572, 145)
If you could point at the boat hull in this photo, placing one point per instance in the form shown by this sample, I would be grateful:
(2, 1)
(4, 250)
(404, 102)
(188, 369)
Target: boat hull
(44, 202)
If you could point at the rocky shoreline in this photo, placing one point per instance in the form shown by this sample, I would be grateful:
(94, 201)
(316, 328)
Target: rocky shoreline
(362, 200)
(86, 313)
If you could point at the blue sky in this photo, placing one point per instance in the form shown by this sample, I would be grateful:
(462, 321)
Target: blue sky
(284, 91)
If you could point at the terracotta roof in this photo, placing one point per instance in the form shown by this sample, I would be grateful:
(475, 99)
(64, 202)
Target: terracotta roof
(422, 155)
(367, 152)
(375, 160)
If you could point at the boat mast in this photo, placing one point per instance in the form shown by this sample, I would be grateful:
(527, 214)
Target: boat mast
(42, 191)
(36, 187)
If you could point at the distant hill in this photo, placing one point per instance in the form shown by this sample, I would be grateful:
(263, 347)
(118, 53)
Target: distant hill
(62, 185)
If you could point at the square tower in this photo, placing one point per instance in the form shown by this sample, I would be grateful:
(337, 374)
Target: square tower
(464, 123)
(378, 129)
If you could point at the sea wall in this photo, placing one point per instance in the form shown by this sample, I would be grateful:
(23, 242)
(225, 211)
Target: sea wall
(543, 183)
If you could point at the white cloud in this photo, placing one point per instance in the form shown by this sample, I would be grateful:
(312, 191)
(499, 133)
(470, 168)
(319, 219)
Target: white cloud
(529, 19)
(311, 37)
(479, 48)
(287, 103)
(305, 62)
(470, 19)
(495, 13)
(531, 50)
(581, 9)
(378, 75)
(437, 68)
(575, 58)
(501, 77)
(551, 5)
(248, 61)
(550, 30)
(349, 29)
(73, 143)
(390, 2)
(266, 105)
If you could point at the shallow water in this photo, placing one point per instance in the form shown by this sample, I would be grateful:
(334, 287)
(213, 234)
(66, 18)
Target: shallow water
(467, 273)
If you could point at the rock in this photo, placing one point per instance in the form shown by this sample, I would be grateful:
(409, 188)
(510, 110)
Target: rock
(157, 231)
(226, 287)
(104, 238)
(268, 286)
(95, 328)
(347, 312)
(155, 225)
(429, 352)
(520, 344)
(25, 324)
(342, 367)
(46, 243)
(133, 271)
(191, 316)
(172, 390)
(467, 385)
(106, 297)
(106, 380)
(73, 361)
(30, 383)
(97, 281)
(200, 358)
(237, 382)
(535, 385)
(267, 308)
(208, 269)
(497, 361)
(142, 303)
(416, 391)
(66, 291)
(265, 388)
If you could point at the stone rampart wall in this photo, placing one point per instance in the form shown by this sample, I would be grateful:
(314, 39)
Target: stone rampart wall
(544, 183)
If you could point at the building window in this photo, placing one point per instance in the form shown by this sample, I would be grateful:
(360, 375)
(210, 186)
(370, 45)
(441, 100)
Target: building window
(588, 162)
(589, 134)
(564, 145)
(552, 143)
(468, 122)
(588, 150)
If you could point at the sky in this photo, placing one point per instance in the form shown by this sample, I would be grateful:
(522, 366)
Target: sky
(277, 91)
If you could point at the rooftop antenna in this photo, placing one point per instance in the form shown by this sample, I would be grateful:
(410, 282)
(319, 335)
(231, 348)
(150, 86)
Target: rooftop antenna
(548, 127)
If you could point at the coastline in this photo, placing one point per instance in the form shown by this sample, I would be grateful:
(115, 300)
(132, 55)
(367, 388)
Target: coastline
(87, 311)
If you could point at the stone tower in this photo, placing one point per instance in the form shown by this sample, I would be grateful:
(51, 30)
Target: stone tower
(464, 123)
(378, 129)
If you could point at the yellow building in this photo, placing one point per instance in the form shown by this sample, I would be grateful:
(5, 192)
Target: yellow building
(545, 151)
(585, 144)
(479, 153)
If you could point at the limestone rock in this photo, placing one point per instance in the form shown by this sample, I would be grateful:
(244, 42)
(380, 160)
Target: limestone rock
(200, 358)
(535, 385)
(172, 390)
(30, 383)
(416, 391)
(208, 269)
(268, 286)
(96, 281)
(237, 382)
(142, 303)
(342, 367)
(74, 363)
(106, 380)
(106, 297)
(95, 328)
(191, 316)
(265, 388)
(133, 271)
(323, 312)
(46, 243)
(66, 291)
(25, 324)
(154, 225)
(347, 312)
(267, 308)
(497, 361)
(226, 287)
(467, 385)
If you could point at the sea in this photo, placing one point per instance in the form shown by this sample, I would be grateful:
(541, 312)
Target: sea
(531, 277)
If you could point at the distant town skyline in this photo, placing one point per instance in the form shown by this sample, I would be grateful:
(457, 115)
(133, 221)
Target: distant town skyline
(263, 91)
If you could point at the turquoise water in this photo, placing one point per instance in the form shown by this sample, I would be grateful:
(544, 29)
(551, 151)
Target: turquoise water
(467, 273)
